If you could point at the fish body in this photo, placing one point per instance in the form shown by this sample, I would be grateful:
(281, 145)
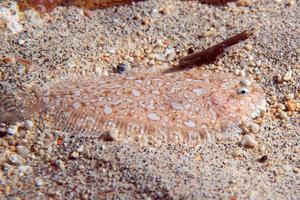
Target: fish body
(186, 106)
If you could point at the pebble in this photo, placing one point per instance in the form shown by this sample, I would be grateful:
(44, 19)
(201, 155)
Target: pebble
(80, 149)
(248, 141)
(39, 182)
(283, 115)
(246, 82)
(28, 124)
(81, 167)
(248, 47)
(61, 164)
(23, 151)
(21, 42)
(291, 3)
(289, 96)
(288, 75)
(75, 154)
(254, 127)
(209, 33)
(291, 106)
(236, 153)
(16, 159)
(296, 169)
(24, 169)
(273, 98)
(262, 149)
(12, 130)
(160, 57)
(111, 50)
(242, 73)
(244, 63)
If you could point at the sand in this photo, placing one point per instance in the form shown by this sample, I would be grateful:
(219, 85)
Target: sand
(38, 163)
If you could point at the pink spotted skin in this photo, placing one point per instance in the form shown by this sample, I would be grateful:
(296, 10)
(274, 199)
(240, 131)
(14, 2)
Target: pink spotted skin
(186, 106)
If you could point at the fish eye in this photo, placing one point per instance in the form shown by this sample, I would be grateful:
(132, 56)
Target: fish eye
(243, 90)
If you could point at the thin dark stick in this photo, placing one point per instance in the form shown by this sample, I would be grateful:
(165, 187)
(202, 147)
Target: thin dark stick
(216, 2)
(211, 54)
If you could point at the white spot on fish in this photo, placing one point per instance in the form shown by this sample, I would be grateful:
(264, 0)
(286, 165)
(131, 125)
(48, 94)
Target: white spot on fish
(107, 110)
(76, 105)
(142, 104)
(150, 106)
(156, 92)
(190, 124)
(187, 106)
(76, 93)
(135, 93)
(198, 91)
(46, 100)
(213, 115)
(117, 102)
(176, 106)
(138, 81)
(153, 116)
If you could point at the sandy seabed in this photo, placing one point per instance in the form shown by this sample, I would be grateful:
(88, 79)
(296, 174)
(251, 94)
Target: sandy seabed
(37, 163)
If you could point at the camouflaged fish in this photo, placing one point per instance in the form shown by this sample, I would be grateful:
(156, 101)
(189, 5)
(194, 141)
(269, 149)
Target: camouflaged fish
(184, 106)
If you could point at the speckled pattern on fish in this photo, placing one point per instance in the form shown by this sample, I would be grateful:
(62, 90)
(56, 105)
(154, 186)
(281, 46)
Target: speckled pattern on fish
(185, 106)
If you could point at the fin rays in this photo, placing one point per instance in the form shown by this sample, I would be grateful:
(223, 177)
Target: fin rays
(85, 123)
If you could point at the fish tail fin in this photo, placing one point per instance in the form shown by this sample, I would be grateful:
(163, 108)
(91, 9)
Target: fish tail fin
(18, 105)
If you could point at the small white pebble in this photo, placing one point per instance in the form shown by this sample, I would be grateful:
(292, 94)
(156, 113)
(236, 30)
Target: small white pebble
(254, 127)
(262, 149)
(236, 153)
(244, 63)
(248, 47)
(160, 57)
(23, 151)
(245, 82)
(111, 50)
(291, 3)
(210, 33)
(107, 110)
(61, 164)
(289, 96)
(237, 72)
(135, 93)
(242, 73)
(28, 124)
(16, 159)
(288, 75)
(21, 42)
(12, 130)
(296, 170)
(75, 154)
(248, 141)
(159, 42)
(153, 116)
(80, 149)
(81, 167)
(283, 115)
(39, 182)
(24, 169)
